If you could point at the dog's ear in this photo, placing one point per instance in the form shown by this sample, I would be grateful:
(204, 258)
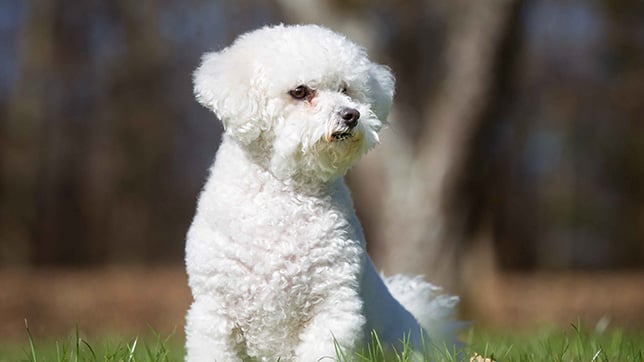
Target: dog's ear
(381, 90)
(222, 83)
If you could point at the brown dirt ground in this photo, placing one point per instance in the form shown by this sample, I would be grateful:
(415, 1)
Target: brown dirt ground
(557, 299)
(133, 301)
(119, 301)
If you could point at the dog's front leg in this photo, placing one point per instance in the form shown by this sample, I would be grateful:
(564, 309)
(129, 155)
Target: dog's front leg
(337, 325)
(210, 336)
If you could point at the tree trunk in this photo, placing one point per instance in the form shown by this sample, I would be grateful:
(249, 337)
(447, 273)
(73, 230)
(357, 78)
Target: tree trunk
(422, 229)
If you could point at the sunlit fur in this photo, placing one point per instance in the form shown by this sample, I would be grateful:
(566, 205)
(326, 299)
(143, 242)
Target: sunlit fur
(275, 254)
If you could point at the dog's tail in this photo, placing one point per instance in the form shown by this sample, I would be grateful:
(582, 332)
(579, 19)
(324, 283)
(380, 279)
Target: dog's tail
(434, 311)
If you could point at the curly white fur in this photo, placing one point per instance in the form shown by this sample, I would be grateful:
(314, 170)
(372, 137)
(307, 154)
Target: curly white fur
(276, 255)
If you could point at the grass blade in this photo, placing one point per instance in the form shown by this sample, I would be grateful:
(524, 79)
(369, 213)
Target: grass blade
(32, 346)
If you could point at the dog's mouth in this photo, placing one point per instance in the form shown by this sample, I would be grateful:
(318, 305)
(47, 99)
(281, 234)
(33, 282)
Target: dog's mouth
(341, 135)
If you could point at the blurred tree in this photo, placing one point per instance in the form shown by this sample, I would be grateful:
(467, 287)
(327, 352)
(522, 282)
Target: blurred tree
(22, 133)
(90, 135)
(566, 143)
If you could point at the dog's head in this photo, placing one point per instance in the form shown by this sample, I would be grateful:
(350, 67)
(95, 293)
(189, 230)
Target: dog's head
(304, 99)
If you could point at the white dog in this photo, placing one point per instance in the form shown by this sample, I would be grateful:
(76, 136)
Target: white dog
(275, 255)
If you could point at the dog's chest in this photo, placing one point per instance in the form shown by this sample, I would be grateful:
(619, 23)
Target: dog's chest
(287, 257)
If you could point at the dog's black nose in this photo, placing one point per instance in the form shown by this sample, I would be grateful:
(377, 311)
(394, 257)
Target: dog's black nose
(350, 116)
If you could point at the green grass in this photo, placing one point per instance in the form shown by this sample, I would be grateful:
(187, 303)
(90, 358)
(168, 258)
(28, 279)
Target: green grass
(75, 348)
(572, 344)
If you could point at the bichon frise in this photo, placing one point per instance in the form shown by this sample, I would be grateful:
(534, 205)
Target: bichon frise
(275, 255)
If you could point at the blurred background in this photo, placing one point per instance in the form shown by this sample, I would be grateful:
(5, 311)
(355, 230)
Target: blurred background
(512, 171)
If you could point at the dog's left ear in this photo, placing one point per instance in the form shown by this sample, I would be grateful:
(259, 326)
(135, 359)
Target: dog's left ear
(222, 83)
(381, 90)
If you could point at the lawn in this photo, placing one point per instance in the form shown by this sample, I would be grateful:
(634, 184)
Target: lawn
(572, 344)
(76, 348)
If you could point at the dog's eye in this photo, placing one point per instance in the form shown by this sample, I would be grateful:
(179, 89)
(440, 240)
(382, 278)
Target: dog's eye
(300, 92)
(344, 90)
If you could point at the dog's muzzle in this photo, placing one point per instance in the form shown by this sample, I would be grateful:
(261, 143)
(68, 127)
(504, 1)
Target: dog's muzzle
(349, 120)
